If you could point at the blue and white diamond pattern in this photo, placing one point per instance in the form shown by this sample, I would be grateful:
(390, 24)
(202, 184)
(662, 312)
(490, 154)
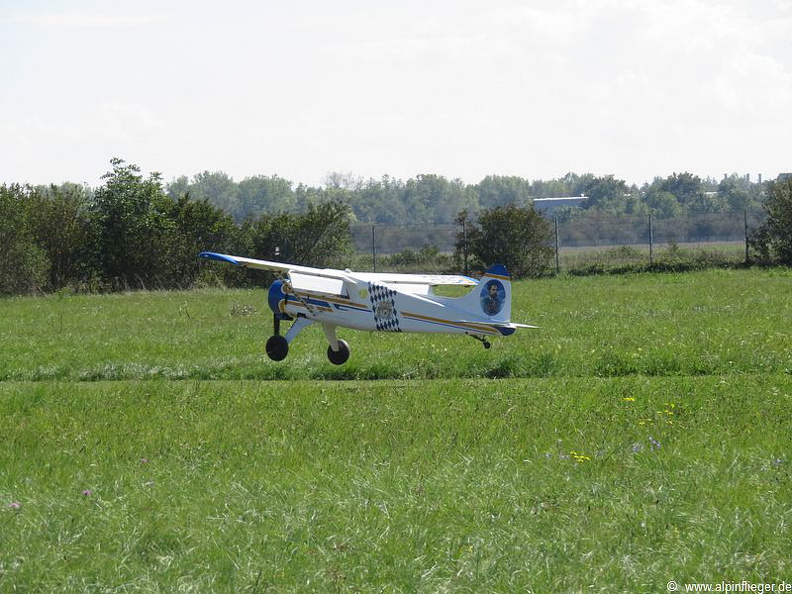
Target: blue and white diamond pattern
(386, 318)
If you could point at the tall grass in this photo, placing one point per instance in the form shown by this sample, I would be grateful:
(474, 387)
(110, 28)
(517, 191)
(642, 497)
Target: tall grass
(459, 485)
(663, 258)
(640, 436)
(706, 323)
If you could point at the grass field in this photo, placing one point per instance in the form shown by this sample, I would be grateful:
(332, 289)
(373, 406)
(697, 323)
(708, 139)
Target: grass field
(585, 260)
(640, 436)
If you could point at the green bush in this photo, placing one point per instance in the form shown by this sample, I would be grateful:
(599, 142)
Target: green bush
(773, 240)
(520, 238)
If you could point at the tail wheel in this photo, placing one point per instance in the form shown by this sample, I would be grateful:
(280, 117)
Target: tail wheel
(340, 356)
(277, 348)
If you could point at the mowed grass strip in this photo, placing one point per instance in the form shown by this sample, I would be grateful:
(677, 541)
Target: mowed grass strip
(555, 484)
(706, 323)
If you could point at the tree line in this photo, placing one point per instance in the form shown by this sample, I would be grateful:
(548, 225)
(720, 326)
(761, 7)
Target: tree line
(136, 232)
(131, 234)
(433, 199)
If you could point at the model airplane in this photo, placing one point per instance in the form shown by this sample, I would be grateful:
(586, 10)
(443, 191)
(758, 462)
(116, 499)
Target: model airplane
(382, 302)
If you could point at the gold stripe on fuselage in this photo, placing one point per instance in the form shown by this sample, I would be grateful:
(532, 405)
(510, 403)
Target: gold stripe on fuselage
(457, 324)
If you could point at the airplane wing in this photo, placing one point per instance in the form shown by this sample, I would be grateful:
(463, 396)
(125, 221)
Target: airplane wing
(244, 262)
(301, 278)
(317, 284)
(390, 278)
(274, 266)
(394, 278)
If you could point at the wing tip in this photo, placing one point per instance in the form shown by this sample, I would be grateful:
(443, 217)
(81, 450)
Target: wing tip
(219, 258)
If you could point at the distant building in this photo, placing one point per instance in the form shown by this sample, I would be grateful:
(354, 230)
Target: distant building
(547, 206)
(783, 176)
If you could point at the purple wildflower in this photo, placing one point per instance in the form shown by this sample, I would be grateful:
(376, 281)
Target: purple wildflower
(655, 444)
(87, 492)
(15, 505)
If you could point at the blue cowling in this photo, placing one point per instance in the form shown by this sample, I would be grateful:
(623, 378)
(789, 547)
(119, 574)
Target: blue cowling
(275, 296)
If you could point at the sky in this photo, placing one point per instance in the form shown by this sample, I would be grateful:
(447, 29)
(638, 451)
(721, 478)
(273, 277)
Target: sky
(459, 88)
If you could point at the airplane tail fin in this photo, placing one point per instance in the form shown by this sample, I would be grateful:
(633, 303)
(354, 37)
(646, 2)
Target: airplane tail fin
(492, 296)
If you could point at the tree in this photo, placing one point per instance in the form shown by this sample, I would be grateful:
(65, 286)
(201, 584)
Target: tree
(661, 201)
(554, 188)
(380, 201)
(502, 190)
(61, 230)
(686, 187)
(261, 194)
(607, 194)
(464, 244)
(433, 199)
(517, 237)
(23, 265)
(739, 194)
(130, 226)
(317, 237)
(196, 226)
(347, 180)
(707, 203)
(773, 240)
(215, 186)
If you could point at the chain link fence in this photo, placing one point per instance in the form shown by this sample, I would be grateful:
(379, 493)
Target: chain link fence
(580, 241)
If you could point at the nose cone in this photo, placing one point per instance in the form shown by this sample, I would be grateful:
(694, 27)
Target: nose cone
(275, 297)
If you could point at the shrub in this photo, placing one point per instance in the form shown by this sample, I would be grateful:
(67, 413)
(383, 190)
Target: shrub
(518, 237)
(773, 240)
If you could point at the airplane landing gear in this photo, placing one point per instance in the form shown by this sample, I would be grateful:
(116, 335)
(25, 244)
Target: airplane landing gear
(482, 340)
(340, 356)
(277, 345)
(277, 348)
(338, 350)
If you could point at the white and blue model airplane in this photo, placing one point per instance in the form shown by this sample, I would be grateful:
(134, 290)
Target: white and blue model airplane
(382, 302)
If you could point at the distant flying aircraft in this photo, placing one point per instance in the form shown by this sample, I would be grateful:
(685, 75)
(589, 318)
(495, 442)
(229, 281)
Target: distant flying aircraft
(382, 302)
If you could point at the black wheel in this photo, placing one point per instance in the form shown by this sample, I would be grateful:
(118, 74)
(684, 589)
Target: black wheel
(487, 344)
(340, 356)
(277, 348)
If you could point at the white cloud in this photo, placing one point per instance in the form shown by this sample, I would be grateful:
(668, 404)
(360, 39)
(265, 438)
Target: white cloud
(35, 147)
(82, 20)
(460, 88)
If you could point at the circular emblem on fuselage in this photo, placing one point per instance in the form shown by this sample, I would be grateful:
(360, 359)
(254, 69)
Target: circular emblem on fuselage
(384, 310)
(493, 295)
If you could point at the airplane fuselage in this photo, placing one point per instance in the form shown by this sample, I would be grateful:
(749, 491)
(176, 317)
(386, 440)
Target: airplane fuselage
(384, 302)
(377, 307)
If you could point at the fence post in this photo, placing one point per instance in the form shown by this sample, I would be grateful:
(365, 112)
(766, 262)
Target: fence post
(465, 247)
(373, 250)
(651, 241)
(558, 264)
